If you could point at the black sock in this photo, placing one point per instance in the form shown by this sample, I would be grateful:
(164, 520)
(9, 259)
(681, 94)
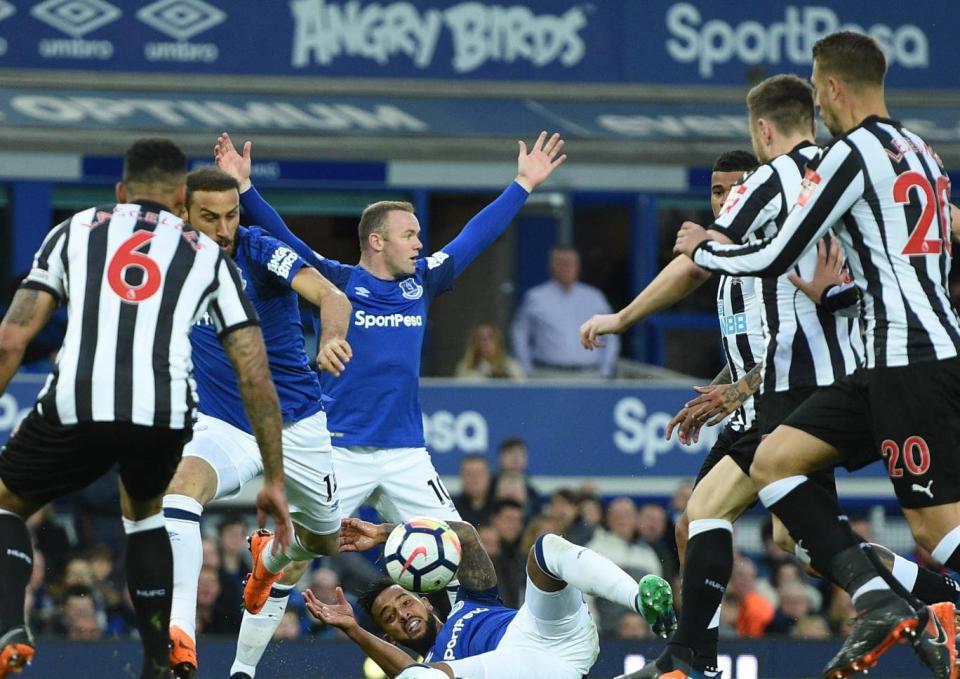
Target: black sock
(150, 581)
(812, 516)
(932, 588)
(707, 649)
(706, 572)
(16, 565)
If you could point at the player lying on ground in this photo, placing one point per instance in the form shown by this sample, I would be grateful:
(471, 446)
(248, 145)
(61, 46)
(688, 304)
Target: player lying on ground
(223, 454)
(375, 417)
(481, 639)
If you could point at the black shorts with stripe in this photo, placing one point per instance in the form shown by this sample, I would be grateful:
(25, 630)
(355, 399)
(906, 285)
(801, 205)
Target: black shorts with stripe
(44, 460)
(739, 445)
(908, 416)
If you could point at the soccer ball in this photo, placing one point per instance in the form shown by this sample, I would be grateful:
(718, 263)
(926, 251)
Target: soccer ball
(421, 671)
(422, 555)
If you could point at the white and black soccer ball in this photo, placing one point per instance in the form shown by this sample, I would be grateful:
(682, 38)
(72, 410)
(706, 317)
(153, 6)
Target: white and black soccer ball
(422, 555)
(421, 671)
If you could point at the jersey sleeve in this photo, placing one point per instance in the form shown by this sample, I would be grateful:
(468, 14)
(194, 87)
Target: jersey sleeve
(263, 214)
(487, 596)
(439, 272)
(279, 263)
(841, 300)
(229, 307)
(48, 272)
(485, 227)
(833, 183)
(750, 205)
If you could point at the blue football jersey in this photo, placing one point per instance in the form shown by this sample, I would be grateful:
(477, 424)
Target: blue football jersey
(376, 401)
(476, 624)
(267, 267)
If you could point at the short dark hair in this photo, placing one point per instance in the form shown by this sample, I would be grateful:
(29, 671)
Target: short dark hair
(505, 503)
(784, 100)
(855, 58)
(735, 161)
(154, 161)
(210, 178)
(474, 457)
(568, 494)
(370, 594)
(374, 218)
(231, 519)
(512, 442)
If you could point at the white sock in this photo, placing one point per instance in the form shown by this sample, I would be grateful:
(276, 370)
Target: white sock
(586, 570)
(182, 517)
(295, 552)
(947, 546)
(872, 585)
(256, 631)
(905, 571)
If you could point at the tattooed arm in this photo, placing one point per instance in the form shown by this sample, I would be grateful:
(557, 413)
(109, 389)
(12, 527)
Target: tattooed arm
(723, 377)
(475, 573)
(715, 403)
(28, 313)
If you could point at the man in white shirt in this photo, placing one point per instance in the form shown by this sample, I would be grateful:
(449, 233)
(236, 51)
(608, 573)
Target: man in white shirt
(545, 330)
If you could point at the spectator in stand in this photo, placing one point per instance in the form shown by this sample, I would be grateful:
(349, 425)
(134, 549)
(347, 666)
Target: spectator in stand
(546, 328)
(507, 520)
(476, 498)
(211, 553)
(756, 611)
(84, 627)
(216, 614)
(512, 456)
(632, 626)
(652, 529)
(811, 627)
(794, 604)
(490, 539)
(591, 512)
(486, 356)
(234, 552)
(323, 584)
(78, 601)
(619, 542)
(564, 509)
(513, 486)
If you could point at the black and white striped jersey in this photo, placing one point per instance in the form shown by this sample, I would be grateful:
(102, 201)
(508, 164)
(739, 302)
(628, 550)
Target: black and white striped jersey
(805, 345)
(884, 192)
(741, 331)
(134, 278)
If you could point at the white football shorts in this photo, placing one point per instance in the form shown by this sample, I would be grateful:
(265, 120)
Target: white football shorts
(553, 632)
(307, 464)
(401, 483)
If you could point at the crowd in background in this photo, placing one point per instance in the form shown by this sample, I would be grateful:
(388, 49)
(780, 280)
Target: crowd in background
(77, 590)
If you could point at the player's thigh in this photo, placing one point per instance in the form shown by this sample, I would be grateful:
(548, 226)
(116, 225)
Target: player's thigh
(147, 463)
(411, 487)
(917, 430)
(515, 663)
(231, 453)
(725, 441)
(311, 483)
(572, 639)
(358, 476)
(725, 493)
(45, 460)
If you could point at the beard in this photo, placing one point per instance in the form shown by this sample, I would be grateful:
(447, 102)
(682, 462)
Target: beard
(424, 643)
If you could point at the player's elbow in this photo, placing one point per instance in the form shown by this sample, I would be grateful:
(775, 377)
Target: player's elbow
(693, 272)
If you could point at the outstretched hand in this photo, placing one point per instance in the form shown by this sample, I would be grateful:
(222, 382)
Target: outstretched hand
(359, 536)
(233, 163)
(339, 615)
(597, 325)
(535, 166)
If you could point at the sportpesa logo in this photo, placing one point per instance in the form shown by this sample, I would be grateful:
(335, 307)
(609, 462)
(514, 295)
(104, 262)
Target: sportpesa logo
(364, 320)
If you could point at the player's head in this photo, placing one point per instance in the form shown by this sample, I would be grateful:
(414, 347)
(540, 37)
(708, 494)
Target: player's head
(390, 232)
(155, 169)
(212, 205)
(564, 265)
(728, 169)
(848, 67)
(404, 617)
(779, 108)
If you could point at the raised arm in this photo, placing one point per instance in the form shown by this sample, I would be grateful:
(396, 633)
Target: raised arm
(335, 311)
(533, 168)
(830, 188)
(28, 313)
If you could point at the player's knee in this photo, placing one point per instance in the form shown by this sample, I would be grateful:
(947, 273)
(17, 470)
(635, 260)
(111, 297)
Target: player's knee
(194, 478)
(324, 545)
(682, 530)
(763, 469)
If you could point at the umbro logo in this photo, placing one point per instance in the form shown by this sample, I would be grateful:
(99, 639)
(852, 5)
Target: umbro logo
(76, 18)
(361, 291)
(181, 19)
